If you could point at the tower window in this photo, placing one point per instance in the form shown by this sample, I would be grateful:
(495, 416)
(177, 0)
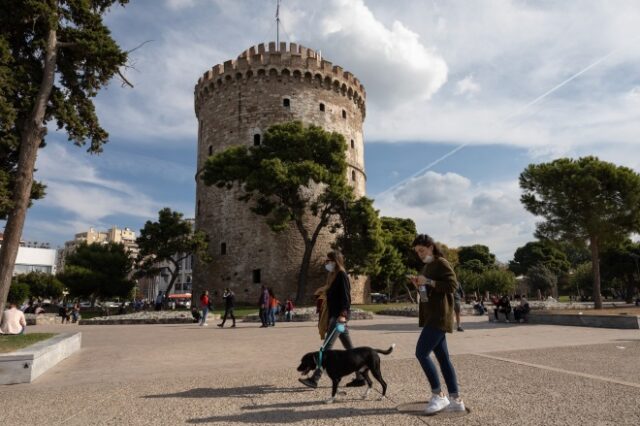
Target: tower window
(256, 276)
(210, 150)
(353, 145)
(256, 139)
(344, 114)
(286, 102)
(198, 209)
(353, 175)
(322, 107)
(223, 248)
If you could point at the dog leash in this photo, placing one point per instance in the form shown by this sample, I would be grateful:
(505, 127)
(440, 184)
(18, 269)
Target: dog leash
(327, 340)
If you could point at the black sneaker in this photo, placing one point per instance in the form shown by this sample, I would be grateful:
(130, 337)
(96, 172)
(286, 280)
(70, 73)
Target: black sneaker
(220, 325)
(308, 382)
(460, 329)
(356, 383)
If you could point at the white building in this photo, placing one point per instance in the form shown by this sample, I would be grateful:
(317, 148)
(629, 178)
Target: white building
(34, 257)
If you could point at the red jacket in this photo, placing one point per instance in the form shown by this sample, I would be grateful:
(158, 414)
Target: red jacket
(204, 301)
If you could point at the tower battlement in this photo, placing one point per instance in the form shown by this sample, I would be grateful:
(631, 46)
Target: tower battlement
(291, 61)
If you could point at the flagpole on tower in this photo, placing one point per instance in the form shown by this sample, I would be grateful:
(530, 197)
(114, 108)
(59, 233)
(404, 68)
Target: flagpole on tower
(278, 24)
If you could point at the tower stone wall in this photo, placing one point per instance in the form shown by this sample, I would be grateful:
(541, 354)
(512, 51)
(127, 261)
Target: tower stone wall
(235, 103)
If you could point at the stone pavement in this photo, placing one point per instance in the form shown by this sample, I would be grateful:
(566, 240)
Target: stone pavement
(185, 374)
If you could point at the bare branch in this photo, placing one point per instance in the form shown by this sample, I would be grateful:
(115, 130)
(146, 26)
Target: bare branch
(139, 46)
(124, 79)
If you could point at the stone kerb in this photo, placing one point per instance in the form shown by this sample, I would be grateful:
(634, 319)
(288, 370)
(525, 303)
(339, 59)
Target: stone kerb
(25, 365)
(309, 314)
(296, 63)
(151, 317)
(626, 322)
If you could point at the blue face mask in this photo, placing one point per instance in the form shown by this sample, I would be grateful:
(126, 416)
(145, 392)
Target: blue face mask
(341, 327)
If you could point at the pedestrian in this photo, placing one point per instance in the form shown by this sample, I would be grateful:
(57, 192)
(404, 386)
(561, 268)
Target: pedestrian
(436, 284)
(204, 305)
(458, 298)
(159, 299)
(75, 313)
(13, 321)
(273, 308)
(338, 306)
(63, 312)
(229, 302)
(288, 309)
(263, 303)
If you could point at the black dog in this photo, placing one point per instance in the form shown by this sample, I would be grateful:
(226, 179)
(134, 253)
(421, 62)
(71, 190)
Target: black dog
(341, 363)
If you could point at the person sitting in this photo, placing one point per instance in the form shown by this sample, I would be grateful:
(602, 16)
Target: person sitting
(478, 307)
(521, 311)
(13, 321)
(503, 306)
(195, 313)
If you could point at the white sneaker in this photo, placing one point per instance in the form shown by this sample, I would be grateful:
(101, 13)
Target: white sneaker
(204, 325)
(456, 406)
(436, 404)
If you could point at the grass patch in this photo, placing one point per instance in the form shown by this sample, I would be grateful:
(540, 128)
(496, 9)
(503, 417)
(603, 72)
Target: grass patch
(13, 343)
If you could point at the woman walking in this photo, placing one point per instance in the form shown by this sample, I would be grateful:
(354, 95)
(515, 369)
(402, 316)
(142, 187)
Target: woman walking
(436, 284)
(338, 305)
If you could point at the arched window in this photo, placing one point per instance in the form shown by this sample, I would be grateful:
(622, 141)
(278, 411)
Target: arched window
(210, 150)
(353, 175)
(353, 145)
(223, 248)
(286, 102)
(256, 139)
(321, 107)
(256, 276)
(344, 114)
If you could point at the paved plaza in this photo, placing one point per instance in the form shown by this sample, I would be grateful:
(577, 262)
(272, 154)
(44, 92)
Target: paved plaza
(185, 374)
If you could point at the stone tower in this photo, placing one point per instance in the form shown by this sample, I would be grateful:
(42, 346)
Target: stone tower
(235, 103)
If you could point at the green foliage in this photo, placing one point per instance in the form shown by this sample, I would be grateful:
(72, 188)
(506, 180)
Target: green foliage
(97, 270)
(581, 281)
(362, 240)
(88, 57)
(398, 258)
(18, 293)
(80, 282)
(539, 253)
(584, 199)
(620, 268)
(477, 252)
(41, 285)
(474, 265)
(541, 277)
(297, 170)
(497, 281)
(470, 280)
(169, 240)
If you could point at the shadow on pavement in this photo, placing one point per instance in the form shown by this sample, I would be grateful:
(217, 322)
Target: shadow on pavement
(413, 328)
(291, 416)
(240, 392)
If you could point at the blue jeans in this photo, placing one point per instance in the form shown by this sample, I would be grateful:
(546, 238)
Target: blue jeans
(330, 339)
(434, 340)
(205, 312)
(272, 316)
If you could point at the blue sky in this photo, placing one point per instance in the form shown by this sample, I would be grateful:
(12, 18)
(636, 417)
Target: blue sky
(438, 74)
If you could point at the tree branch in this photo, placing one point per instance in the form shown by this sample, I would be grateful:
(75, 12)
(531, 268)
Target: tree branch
(124, 79)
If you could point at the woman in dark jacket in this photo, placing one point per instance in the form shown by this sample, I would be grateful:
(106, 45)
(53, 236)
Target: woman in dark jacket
(339, 305)
(436, 284)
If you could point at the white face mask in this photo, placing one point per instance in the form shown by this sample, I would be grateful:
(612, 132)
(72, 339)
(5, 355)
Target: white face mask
(427, 259)
(330, 266)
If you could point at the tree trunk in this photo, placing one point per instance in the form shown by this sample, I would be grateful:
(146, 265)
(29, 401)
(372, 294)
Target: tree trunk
(304, 271)
(595, 262)
(174, 276)
(31, 137)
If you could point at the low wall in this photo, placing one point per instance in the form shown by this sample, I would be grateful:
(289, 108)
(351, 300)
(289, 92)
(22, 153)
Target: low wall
(27, 364)
(148, 317)
(600, 321)
(309, 314)
(40, 319)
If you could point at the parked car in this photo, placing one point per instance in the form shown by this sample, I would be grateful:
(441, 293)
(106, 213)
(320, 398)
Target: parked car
(379, 298)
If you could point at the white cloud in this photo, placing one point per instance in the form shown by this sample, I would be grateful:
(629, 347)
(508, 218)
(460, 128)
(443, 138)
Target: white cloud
(467, 86)
(458, 212)
(74, 186)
